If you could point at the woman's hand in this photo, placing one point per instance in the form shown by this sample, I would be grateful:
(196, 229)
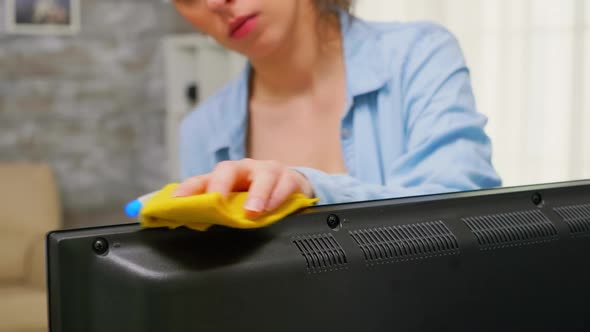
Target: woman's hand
(269, 183)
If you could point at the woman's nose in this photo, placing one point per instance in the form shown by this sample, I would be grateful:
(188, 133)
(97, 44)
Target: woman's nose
(218, 4)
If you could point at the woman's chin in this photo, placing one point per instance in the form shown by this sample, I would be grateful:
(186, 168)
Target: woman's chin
(257, 54)
(259, 47)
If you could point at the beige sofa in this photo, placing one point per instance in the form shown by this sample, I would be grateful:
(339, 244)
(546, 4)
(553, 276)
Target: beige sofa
(29, 208)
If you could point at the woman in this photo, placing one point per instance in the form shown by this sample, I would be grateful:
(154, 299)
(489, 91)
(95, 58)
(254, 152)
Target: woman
(332, 107)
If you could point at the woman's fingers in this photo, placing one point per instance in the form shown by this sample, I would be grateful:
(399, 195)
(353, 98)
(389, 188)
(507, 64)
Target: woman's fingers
(286, 186)
(193, 186)
(223, 178)
(269, 183)
(264, 177)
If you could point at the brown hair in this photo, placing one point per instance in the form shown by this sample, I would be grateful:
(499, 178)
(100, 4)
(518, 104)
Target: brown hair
(333, 5)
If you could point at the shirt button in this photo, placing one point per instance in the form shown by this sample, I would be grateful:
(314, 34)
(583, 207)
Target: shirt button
(346, 133)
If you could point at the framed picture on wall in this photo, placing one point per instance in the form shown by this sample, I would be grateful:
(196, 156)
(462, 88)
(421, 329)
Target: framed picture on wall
(43, 16)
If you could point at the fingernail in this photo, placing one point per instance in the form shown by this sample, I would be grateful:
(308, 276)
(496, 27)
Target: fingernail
(254, 204)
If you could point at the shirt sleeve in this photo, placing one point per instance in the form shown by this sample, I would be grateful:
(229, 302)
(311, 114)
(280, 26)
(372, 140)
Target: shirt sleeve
(447, 149)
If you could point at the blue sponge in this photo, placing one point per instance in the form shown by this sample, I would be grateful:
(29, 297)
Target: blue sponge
(133, 208)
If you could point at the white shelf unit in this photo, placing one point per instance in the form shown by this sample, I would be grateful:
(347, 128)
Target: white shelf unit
(192, 59)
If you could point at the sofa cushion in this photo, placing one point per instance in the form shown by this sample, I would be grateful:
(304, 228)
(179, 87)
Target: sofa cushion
(29, 197)
(35, 263)
(22, 309)
(14, 247)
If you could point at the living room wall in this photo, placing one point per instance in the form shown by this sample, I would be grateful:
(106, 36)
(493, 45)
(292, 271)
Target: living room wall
(91, 104)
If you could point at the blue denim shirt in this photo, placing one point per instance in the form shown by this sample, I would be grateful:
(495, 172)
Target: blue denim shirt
(410, 128)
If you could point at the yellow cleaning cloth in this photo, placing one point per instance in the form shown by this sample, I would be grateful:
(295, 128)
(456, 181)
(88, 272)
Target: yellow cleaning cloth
(199, 212)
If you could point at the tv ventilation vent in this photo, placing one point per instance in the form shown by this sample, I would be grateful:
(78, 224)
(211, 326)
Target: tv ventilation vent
(398, 243)
(577, 217)
(322, 252)
(509, 229)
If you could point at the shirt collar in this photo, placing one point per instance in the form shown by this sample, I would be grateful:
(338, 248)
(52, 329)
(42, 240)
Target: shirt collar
(366, 72)
(231, 119)
(366, 66)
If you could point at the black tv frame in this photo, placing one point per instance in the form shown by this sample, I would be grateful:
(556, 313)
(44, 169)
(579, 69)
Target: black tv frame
(509, 259)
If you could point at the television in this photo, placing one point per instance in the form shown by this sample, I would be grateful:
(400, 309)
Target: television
(510, 259)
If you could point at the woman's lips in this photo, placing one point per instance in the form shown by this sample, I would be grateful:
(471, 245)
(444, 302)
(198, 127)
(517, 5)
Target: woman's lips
(242, 26)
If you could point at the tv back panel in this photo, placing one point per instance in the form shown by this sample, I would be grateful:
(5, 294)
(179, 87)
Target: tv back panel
(514, 259)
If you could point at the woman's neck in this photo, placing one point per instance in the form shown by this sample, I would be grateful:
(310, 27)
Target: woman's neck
(312, 53)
